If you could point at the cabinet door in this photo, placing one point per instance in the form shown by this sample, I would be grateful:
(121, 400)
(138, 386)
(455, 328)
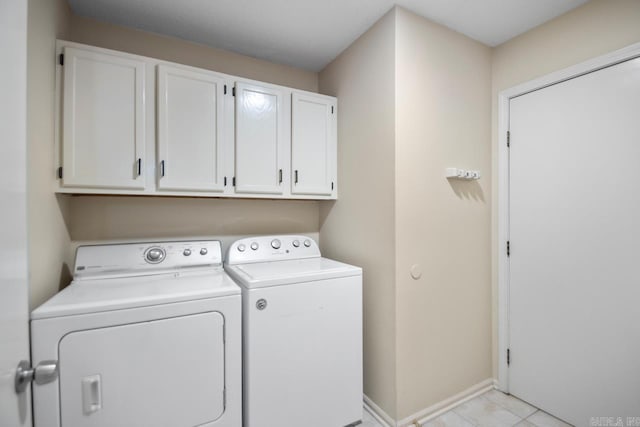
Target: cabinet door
(190, 130)
(260, 139)
(313, 144)
(103, 130)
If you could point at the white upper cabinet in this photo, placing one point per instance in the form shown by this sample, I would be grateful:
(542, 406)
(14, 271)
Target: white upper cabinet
(191, 130)
(260, 139)
(128, 124)
(313, 144)
(103, 120)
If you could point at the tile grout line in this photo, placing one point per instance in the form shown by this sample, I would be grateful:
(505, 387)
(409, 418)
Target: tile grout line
(510, 411)
(454, 410)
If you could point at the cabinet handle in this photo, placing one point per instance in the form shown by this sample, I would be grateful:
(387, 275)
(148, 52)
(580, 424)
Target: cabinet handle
(162, 168)
(280, 176)
(139, 166)
(296, 177)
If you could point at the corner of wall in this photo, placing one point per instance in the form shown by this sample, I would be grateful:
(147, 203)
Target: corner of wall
(443, 283)
(359, 227)
(48, 237)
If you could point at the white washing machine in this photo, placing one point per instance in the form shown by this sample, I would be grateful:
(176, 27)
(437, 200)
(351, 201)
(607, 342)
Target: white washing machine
(302, 330)
(147, 334)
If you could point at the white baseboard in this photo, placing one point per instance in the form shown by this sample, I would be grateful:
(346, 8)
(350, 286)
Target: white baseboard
(432, 411)
(377, 413)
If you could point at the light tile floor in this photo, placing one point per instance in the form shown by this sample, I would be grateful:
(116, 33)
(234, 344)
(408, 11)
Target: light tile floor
(491, 409)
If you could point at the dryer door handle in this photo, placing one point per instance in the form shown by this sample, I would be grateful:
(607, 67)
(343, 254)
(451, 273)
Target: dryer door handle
(91, 394)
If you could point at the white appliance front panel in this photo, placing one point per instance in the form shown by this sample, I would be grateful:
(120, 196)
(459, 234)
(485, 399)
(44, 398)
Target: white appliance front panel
(47, 333)
(166, 372)
(271, 248)
(130, 259)
(303, 354)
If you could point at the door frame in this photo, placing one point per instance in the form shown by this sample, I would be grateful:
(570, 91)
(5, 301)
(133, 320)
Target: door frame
(503, 167)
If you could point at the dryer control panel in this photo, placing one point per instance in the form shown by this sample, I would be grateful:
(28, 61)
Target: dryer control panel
(134, 259)
(271, 248)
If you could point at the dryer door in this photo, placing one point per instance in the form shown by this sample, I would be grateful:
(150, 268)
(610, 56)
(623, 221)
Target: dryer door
(167, 372)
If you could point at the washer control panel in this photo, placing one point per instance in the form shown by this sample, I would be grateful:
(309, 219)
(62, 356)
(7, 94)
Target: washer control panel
(132, 259)
(271, 248)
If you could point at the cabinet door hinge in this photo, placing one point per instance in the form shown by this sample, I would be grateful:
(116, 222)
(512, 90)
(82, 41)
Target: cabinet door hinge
(225, 89)
(508, 248)
(60, 172)
(508, 357)
(508, 139)
(61, 59)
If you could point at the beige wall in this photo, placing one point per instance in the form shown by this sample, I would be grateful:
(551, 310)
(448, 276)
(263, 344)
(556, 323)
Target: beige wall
(359, 227)
(48, 236)
(93, 218)
(443, 114)
(97, 33)
(598, 27)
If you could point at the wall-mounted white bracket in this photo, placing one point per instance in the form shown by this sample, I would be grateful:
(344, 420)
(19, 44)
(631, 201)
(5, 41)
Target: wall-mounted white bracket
(455, 173)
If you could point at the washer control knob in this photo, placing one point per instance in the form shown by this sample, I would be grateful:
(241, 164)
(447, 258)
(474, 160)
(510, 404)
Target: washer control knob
(307, 243)
(241, 247)
(203, 251)
(155, 255)
(186, 252)
(296, 243)
(275, 244)
(254, 246)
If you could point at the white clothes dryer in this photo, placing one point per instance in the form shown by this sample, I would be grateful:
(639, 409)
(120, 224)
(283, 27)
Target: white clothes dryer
(147, 334)
(302, 331)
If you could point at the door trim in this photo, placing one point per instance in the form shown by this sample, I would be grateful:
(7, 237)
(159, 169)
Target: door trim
(595, 64)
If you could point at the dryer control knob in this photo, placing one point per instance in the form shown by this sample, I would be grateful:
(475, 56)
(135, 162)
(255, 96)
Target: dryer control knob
(254, 246)
(203, 251)
(241, 247)
(186, 252)
(275, 244)
(296, 243)
(307, 243)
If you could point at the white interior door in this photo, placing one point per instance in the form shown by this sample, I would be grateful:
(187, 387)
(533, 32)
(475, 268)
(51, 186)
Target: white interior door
(313, 144)
(103, 132)
(15, 409)
(167, 372)
(191, 124)
(574, 231)
(260, 139)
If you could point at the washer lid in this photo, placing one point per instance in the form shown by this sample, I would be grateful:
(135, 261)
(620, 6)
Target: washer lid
(263, 274)
(91, 296)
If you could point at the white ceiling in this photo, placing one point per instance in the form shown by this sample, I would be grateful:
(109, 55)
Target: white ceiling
(310, 33)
